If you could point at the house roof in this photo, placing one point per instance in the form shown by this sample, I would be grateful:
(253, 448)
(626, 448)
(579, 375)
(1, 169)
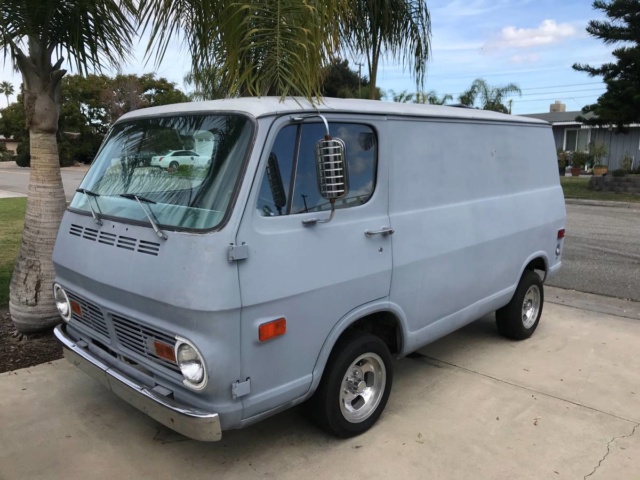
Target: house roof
(264, 106)
(560, 117)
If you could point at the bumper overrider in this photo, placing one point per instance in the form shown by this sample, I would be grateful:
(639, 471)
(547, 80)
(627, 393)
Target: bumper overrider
(190, 422)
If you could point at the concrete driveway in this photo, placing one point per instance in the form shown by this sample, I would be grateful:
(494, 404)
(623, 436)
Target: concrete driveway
(564, 404)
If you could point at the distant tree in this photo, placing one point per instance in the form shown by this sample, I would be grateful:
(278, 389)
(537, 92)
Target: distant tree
(125, 93)
(13, 121)
(399, 28)
(340, 81)
(6, 88)
(209, 87)
(400, 97)
(430, 97)
(620, 104)
(487, 96)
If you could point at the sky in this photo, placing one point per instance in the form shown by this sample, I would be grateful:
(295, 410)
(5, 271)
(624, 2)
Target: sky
(531, 43)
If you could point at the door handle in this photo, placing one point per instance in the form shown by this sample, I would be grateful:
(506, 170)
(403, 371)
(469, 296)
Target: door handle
(384, 231)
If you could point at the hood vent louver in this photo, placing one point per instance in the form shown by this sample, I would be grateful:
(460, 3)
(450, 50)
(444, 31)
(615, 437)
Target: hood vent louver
(113, 240)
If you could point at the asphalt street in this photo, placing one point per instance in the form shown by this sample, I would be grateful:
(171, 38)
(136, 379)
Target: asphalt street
(602, 251)
(14, 179)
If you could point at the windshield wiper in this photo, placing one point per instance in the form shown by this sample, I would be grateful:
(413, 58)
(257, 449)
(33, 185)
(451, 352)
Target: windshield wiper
(95, 195)
(149, 213)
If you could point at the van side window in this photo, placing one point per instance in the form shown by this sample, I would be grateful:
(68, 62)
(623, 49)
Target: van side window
(276, 196)
(361, 150)
(274, 192)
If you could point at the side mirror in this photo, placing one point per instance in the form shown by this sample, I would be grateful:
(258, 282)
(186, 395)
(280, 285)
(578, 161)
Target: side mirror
(275, 183)
(331, 168)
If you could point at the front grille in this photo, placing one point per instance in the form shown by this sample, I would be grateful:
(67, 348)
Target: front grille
(131, 335)
(139, 339)
(91, 317)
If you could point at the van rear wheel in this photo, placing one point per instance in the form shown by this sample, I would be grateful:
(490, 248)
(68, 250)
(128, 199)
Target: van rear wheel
(520, 317)
(355, 385)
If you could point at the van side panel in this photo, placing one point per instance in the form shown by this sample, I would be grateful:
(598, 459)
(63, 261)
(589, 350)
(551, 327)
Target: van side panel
(469, 203)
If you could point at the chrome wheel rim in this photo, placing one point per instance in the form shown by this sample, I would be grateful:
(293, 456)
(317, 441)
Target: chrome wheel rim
(362, 387)
(531, 306)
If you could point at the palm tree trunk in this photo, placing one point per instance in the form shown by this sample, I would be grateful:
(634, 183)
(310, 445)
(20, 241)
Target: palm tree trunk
(31, 301)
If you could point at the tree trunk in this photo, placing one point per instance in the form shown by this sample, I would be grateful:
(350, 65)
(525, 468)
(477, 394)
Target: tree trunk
(31, 301)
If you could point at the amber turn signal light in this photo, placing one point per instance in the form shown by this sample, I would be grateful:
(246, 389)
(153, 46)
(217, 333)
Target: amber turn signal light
(272, 329)
(165, 351)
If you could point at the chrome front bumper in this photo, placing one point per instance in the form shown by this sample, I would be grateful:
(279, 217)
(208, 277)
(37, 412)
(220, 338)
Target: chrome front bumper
(190, 422)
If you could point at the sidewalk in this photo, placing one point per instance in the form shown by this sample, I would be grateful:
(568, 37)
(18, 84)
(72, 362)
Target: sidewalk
(564, 404)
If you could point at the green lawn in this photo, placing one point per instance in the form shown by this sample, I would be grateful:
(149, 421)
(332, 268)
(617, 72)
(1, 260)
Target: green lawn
(11, 220)
(576, 187)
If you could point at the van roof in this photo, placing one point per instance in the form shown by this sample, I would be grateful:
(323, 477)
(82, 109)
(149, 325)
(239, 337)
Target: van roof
(266, 106)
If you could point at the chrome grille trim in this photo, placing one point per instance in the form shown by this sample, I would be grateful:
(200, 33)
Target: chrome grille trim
(138, 338)
(92, 317)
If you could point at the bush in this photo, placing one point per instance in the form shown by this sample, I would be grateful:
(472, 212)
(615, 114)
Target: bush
(626, 162)
(619, 172)
(579, 159)
(5, 155)
(23, 159)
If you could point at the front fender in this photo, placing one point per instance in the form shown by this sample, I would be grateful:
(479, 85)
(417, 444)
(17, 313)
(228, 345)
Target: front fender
(381, 305)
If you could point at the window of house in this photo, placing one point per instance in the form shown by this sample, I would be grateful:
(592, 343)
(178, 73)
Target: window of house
(577, 139)
(293, 155)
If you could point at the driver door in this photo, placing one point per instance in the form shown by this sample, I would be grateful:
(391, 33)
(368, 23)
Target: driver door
(309, 275)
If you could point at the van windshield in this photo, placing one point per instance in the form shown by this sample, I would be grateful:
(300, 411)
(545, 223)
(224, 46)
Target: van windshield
(188, 167)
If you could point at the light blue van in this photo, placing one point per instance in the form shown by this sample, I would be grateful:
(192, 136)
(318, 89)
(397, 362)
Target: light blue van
(315, 244)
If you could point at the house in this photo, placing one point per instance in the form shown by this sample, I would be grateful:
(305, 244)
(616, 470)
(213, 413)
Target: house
(572, 135)
(10, 144)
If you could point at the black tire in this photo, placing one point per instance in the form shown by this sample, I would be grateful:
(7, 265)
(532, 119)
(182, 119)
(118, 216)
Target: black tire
(326, 406)
(174, 165)
(511, 320)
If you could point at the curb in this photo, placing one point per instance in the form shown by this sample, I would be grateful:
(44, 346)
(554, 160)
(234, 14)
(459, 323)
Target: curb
(593, 302)
(601, 203)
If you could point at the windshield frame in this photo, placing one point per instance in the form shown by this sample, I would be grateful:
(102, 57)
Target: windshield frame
(252, 121)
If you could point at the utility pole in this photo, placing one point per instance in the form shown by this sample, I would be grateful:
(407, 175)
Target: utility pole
(359, 78)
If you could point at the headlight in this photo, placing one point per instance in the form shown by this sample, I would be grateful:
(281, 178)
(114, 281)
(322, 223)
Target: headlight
(62, 302)
(191, 364)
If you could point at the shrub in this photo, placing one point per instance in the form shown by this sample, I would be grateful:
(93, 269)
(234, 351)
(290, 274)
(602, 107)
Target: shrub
(619, 173)
(626, 162)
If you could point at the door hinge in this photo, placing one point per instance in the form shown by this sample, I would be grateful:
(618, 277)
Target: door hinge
(240, 389)
(238, 252)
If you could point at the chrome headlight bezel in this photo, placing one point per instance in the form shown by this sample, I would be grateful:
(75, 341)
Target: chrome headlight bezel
(183, 342)
(57, 290)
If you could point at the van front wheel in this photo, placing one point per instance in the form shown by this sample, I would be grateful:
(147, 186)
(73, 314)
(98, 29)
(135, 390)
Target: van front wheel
(520, 317)
(355, 386)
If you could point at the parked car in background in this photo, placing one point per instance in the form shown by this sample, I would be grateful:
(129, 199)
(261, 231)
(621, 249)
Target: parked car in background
(175, 158)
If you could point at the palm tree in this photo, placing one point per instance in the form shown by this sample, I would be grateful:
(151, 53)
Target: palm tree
(399, 28)
(35, 34)
(257, 47)
(490, 97)
(7, 90)
(432, 98)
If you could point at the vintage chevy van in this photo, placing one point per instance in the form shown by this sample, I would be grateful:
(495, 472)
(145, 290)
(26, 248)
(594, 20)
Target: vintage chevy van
(318, 243)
